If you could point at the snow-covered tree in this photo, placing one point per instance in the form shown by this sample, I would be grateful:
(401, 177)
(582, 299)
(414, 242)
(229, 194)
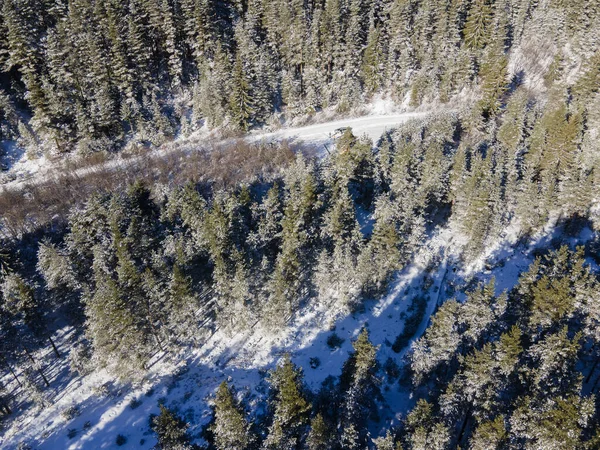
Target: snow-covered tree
(231, 429)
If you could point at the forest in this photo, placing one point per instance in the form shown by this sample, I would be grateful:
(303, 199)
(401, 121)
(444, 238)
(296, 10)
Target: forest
(491, 204)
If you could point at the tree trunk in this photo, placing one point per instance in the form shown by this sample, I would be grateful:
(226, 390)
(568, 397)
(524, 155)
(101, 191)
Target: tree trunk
(153, 327)
(12, 372)
(40, 371)
(463, 427)
(29, 355)
(54, 346)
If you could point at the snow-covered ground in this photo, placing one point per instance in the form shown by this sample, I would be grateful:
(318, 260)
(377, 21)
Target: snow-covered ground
(24, 171)
(108, 409)
(371, 126)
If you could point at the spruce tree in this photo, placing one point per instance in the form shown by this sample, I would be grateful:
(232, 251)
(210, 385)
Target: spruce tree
(289, 405)
(240, 101)
(230, 429)
(171, 430)
(320, 435)
(361, 388)
(477, 27)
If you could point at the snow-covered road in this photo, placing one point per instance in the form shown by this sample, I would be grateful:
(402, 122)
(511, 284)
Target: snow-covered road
(27, 173)
(372, 126)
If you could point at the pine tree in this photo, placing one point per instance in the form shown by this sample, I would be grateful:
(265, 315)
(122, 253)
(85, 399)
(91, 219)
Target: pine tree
(240, 101)
(182, 301)
(5, 408)
(424, 432)
(555, 358)
(361, 387)
(266, 238)
(439, 342)
(19, 298)
(171, 43)
(33, 390)
(386, 442)
(170, 430)
(489, 435)
(401, 56)
(373, 61)
(55, 266)
(290, 408)
(115, 333)
(382, 255)
(231, 430)
(588, 83)
(320, 435)
(298, 228)
(22, 21)
(494, 81)
(477, 27)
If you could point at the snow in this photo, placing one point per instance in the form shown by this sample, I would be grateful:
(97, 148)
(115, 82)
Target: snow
(186, 382)
(371, 126)
(15, 162)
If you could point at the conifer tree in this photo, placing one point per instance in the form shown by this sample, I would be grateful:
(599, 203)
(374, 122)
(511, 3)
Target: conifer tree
(489, 435)
(170, 430)
(384, 442)
(373, 61)
(320, 436)
(423, 431)
(19, 298)
(477, 27)
(231, 430)
(290, 408)
(298, 228)
(494, 83)
(361, 388)
(240, 101)
(4, 401)
(439, 342)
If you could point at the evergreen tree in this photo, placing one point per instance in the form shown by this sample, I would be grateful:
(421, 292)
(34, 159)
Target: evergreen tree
(373, 61)
(386, 442)
(320, 436)
(4, 401)
(494, 80)
(477, 27)
(170, 430)
(439, 343)
(230, 429)
(19, 299)
(241, 104)
(298, 229)
(361, 388)
(290, 408)
(489, 435)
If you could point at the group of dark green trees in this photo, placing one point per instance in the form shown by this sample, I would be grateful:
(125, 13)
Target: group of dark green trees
(516, 370)
(92, 74)
(335, 417)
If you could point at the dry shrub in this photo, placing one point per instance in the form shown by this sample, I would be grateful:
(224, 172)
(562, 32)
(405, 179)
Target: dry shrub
(47, 203)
